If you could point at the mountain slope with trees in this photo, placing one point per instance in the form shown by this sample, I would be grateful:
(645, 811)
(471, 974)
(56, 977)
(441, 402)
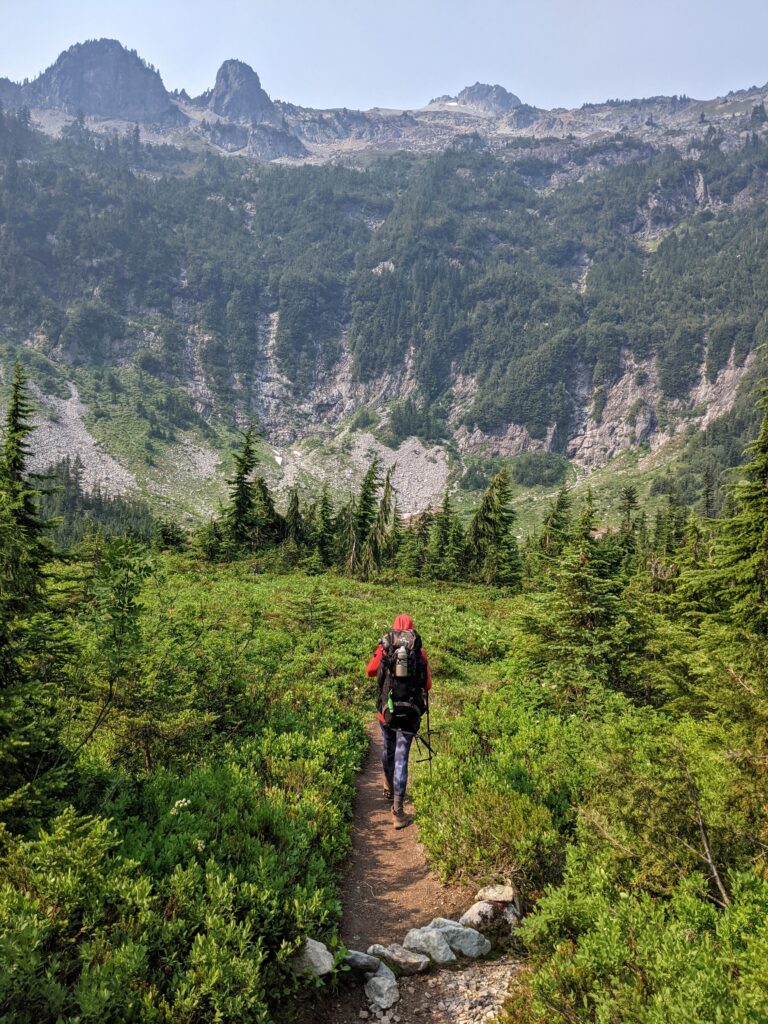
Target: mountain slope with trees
(296, 296)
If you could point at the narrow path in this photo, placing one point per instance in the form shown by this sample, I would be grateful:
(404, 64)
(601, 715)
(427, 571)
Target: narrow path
(387, 890)
(388, 887)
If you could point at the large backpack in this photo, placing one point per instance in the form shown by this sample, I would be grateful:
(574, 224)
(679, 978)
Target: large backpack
(402, 680)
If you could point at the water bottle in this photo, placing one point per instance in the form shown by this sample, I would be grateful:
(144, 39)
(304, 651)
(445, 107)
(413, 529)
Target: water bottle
(401, 662)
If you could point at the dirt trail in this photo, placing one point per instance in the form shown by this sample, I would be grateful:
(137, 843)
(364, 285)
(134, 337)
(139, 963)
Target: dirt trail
(388, 889)
(387, 885)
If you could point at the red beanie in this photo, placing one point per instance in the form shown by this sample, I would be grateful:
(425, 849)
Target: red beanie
(403, 622)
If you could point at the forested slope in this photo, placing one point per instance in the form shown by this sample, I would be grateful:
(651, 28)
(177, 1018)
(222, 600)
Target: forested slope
(426, 277)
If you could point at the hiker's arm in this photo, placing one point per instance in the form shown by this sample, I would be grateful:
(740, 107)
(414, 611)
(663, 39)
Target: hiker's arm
(373, 664)
(429, 673)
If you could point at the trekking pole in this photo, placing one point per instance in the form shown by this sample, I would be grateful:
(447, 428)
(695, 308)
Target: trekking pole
(429, 739)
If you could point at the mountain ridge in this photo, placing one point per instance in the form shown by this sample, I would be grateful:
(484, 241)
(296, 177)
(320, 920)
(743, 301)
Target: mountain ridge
(111, 86)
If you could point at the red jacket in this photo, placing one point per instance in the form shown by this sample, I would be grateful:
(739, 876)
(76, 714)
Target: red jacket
(401, 622)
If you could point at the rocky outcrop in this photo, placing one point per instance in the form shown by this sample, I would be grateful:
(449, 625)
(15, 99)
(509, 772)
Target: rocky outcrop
(238, 95)
(101, 78)
(488, 100)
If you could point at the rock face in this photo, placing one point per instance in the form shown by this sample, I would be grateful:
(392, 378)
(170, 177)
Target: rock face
(103, 79)
(490, 99)
(238, 95)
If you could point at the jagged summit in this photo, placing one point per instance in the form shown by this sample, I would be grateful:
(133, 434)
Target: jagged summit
(491, 100)
(238, 94)
(102, 78)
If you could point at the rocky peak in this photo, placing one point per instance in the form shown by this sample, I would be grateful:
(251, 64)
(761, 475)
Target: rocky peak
(238, 94)
(103, 79)
(490, 100)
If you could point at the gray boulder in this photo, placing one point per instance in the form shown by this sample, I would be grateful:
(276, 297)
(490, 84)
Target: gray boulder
(381, 988)
(401, 959)
(481, 915)
(431, 941)
(361, 962)
(314, 958)
(466, 941)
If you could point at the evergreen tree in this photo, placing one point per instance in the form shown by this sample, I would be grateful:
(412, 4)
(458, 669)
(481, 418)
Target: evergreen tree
(491, 547)
(413, 549)
(366, 506)
(295, 527)
(325, 531)
(743, 557)
(239, 513)
(28, 635)
(377, 541)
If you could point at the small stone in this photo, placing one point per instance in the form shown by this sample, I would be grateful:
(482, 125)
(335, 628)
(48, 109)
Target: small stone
(381, 988)
(364, 1015)
(497, 894)
(430, 941)
(314, 958)
(462, 940)
(442, 922)
(402, 959)
(481, 915)
(361, 962)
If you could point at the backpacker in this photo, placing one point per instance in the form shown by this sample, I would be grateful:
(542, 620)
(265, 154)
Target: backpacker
(402, 680)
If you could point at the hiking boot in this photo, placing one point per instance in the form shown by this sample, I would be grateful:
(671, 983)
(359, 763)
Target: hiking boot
(400, 818)
(388, 794)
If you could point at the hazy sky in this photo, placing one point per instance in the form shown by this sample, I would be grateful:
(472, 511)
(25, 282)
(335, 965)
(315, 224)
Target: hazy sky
(401, 53)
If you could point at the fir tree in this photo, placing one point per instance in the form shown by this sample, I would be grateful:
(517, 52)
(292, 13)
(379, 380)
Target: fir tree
(239, 513)
(491, 547)
(295, 528)
(325, 532)
(743, 558)
(28, 635)
(379, 537)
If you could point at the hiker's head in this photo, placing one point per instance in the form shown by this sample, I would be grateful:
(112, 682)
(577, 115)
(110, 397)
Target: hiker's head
(403, 622)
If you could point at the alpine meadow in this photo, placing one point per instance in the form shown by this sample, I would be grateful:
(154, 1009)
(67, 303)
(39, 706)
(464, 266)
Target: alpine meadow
(271, 377)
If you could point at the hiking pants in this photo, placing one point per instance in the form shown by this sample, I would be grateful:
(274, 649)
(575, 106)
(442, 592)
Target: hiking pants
(394, 757)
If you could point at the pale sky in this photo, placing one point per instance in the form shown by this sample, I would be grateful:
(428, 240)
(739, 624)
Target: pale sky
(394, 53)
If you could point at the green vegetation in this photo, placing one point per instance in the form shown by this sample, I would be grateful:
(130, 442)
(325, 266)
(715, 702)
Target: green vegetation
(181, 712)
(182, 725)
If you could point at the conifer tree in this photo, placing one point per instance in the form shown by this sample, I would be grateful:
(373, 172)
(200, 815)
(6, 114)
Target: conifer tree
(555, 526)
(412, 554)
(325, 533)
(28, 636)
(743, 558)
(239, 513)
(366, 505)
(491, 547)
(268, 525)
(377, 541)
(295, 528)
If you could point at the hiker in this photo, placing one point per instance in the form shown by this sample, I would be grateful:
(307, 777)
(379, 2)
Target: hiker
(401, 665)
